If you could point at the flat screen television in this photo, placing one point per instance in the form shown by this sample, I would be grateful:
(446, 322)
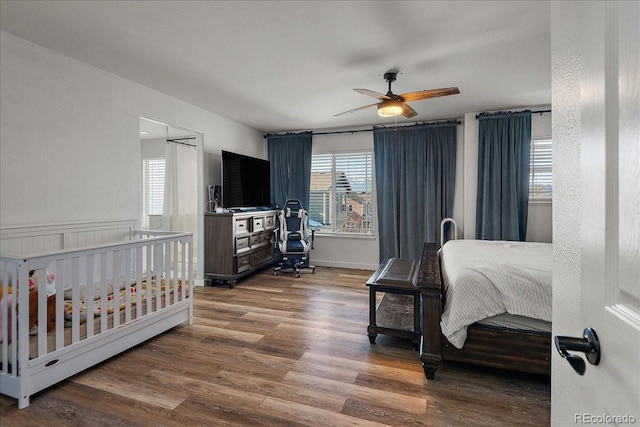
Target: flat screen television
(246, 181)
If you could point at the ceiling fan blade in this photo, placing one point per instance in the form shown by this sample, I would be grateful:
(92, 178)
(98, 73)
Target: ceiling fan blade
(430, 93)
(407, 111)
(356, 109)
(372, 93)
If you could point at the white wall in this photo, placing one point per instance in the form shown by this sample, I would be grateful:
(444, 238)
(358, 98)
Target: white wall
(568, 207)
(70, 143)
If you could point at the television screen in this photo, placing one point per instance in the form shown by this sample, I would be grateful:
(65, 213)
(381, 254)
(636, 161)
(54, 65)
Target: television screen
(245, 181)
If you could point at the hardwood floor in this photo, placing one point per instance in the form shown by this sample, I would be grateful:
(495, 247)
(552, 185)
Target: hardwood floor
(275, 351)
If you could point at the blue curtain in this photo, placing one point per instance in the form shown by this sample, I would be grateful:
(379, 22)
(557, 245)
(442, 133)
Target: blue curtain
(290, 161)
(504, 149)
(415, 177)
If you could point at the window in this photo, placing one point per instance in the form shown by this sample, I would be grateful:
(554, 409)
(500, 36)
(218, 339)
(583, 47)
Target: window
(341, 193)
(540, 174)
(152, 189)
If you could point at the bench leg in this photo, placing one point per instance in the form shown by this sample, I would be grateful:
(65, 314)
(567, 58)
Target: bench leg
(372, 316)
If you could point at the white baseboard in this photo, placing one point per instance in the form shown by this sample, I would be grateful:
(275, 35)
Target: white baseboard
(337, 264)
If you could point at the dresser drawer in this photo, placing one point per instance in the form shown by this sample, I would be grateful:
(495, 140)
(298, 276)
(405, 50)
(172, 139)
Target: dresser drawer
(266, 237)
(242, 244)
(270, 222)
(261, 256)
(258, 223)
(241, 225)
(243, 263)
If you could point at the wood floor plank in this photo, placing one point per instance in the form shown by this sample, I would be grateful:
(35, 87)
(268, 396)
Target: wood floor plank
(141, 391)
(392, 417)
(305, 415)
(309, 396)
(413, 404)
(412, 376)
(227, 333)
(280, 351)
(352, 326)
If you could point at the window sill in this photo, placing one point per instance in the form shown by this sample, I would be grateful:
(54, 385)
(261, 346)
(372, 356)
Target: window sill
(346, 235)
(541, 202)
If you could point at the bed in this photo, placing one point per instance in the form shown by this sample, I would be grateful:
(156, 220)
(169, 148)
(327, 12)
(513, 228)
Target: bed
(74, 295)
(496, 324)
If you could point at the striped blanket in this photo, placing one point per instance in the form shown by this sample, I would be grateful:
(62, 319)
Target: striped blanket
(486, 278)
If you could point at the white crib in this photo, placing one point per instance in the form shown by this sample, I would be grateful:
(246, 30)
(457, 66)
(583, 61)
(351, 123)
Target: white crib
(114, 287)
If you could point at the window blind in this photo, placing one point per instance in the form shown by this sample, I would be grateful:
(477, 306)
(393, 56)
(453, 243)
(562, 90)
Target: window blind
(153, 171)
(541, 171)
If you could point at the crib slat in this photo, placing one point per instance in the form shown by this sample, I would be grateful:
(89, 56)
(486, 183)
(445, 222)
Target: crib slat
(159, 268)
(149, 273)
(15, 316)
(127, 285)
(7, 309)
(138, 279)
(75, 300)
(167, 272)
(90, 260)
(116, 275)
(61, 276)
(103, 291)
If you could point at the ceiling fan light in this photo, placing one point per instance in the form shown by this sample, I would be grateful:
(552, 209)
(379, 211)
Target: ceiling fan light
(390, 108)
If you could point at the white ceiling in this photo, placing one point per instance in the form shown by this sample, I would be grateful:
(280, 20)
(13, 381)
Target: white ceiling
(293, 65)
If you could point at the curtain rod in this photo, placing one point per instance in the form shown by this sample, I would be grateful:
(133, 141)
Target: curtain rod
(533, 112)
(366, 130)
(179, 141)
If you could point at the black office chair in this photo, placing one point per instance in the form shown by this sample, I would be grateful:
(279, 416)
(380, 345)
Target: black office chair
(293, 238)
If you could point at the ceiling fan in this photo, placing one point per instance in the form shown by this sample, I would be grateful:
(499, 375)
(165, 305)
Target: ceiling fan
(391, 105)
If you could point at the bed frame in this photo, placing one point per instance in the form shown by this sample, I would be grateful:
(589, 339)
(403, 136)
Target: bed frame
(99, 254)
(496, 347)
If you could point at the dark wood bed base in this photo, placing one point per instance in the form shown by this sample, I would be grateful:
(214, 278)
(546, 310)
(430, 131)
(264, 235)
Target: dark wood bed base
(496, 347)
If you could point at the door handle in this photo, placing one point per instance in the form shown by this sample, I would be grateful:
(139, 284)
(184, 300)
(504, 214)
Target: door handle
(588, 344)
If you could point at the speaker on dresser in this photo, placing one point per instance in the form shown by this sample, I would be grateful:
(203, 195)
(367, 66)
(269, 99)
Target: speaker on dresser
(215, 198)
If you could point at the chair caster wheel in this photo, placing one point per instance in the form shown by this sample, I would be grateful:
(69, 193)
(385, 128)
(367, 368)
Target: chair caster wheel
(298, 275)
(275, 273)
(313, 271)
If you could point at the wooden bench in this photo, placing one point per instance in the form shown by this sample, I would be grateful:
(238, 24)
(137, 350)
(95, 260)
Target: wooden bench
(398, 313)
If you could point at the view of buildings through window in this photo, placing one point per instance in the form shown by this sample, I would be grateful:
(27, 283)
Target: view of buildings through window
(341, 193)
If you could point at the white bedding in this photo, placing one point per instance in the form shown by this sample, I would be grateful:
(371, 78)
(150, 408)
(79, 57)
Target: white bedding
(487, 278)
(512, 321)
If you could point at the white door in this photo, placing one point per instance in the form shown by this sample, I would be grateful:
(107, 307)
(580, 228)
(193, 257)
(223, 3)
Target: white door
(608, 59)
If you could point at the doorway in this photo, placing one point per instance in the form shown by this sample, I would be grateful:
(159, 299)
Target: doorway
(169, 196)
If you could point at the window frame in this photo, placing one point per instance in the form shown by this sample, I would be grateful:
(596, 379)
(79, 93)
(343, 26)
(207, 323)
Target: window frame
(333, 231)
(146, 205)
(535, 199)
